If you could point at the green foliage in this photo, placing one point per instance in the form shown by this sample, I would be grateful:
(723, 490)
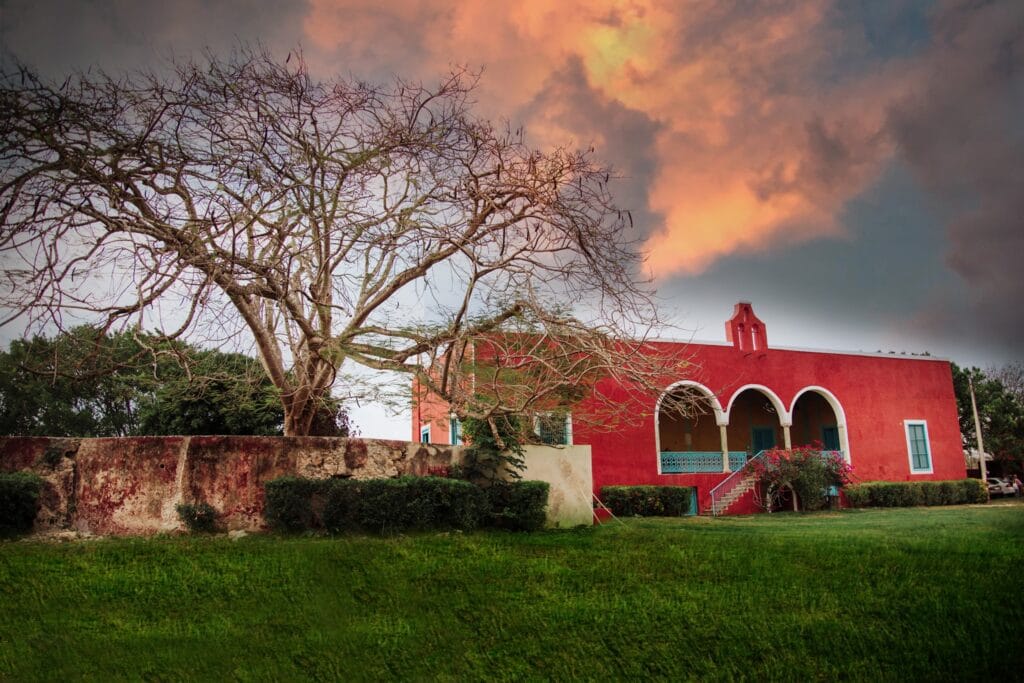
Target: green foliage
(491, 457)
(647, 501)
(198, 517)
(518, 505)
(19, 502)
(289, 503)
(85, 383)
(387, 506)
(973, 490)
(221, 393)
(808, 471)
(1000, 410)
(858, 496)
(913, 493)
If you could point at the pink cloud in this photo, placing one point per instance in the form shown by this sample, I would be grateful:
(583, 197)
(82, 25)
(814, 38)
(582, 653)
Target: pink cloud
(750, 150)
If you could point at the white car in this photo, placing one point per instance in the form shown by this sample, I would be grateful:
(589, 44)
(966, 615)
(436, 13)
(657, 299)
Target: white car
(999, 487)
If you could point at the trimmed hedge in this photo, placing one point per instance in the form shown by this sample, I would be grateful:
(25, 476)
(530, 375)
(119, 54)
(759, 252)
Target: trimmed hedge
(647, 501)
(406, 503)
(911, 493)
(519, 506)
(288, 503)
(19, 502)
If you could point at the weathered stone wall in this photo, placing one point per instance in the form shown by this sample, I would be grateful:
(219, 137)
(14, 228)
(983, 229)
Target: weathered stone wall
(134, 485)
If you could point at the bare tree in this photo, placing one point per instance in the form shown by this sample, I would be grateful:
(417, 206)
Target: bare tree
(333, 221)
(1011, 376)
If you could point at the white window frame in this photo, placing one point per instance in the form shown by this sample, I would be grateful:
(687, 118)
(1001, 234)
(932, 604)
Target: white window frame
(454, 430)
(910, 449)
(568, 427)
(425, 433)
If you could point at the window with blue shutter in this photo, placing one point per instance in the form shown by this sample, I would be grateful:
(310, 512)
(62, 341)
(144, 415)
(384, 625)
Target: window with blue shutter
(553, 429)
(455, 431)
(917, 446)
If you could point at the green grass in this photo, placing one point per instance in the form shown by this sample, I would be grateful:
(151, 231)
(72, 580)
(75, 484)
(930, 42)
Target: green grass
(915, 594)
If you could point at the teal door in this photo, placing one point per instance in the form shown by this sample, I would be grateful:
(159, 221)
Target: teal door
(762, 439)
(830, 438)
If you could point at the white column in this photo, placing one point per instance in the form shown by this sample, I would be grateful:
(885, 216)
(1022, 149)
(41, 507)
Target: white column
(786, 438)
(725, 447)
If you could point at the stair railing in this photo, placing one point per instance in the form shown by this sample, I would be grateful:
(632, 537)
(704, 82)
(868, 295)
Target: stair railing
(726, 486)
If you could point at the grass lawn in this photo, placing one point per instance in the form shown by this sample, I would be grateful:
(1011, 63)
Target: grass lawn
(917, 594)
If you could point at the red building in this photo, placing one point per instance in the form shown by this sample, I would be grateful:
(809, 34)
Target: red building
(893, 417)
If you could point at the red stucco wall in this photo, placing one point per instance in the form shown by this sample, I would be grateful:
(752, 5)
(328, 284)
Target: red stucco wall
(877, 393)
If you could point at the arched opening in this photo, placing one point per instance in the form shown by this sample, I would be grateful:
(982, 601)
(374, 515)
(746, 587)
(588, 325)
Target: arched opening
(689, 439)
(755, 421)
(818, 418)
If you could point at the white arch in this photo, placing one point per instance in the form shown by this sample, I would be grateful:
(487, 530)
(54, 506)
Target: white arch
(837, 410)
(708, 394)
(785, 419)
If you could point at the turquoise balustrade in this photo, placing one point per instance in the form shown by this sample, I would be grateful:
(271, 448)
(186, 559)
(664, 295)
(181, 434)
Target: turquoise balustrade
(737, 459)
(677, 462)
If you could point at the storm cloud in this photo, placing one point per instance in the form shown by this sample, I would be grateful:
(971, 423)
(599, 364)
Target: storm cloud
(748, 135)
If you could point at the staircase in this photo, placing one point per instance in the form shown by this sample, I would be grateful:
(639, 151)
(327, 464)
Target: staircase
(733, 487)
(743, 485)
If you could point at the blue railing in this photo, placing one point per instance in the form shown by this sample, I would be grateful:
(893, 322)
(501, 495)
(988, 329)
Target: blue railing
(677, 462)
(737, 459)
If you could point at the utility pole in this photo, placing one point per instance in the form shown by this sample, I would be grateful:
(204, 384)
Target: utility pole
(977, 432)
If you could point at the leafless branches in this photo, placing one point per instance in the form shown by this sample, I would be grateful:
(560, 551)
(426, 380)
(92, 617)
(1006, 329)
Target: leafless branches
(338, 221)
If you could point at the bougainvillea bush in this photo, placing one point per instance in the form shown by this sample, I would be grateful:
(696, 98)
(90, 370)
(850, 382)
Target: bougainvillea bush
(806, 471)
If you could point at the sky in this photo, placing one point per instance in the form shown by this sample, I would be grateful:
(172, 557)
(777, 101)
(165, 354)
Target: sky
(853, 168)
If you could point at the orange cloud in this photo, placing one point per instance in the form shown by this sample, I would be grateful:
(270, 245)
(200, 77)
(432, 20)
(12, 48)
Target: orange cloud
(751, 150)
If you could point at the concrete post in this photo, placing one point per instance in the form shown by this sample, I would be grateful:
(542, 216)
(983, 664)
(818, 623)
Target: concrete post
(722, 431)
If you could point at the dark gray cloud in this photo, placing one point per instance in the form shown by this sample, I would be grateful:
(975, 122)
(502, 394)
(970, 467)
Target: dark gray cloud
(961, 131)
(627, 138)
(58, 37)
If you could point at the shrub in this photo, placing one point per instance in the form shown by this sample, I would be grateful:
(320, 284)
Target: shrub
(289, 503)
(974, 491)
(911, 493)
(341, 502)
(519, 505)
(459, 504)
(376, 505)
(488, 459)
(198, 517)
(19, 502)
(808, 471)
(897, 494)
(407, 503)
(647, 501)
(931, 492)
(858, 496)
(389, 505)
(950, 493)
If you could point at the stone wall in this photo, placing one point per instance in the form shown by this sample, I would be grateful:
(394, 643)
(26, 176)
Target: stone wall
(133, 485)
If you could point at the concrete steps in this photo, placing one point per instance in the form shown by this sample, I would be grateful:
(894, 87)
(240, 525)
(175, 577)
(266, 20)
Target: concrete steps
(745, 484)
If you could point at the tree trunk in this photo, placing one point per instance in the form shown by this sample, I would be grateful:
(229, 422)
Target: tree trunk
(297, 422)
